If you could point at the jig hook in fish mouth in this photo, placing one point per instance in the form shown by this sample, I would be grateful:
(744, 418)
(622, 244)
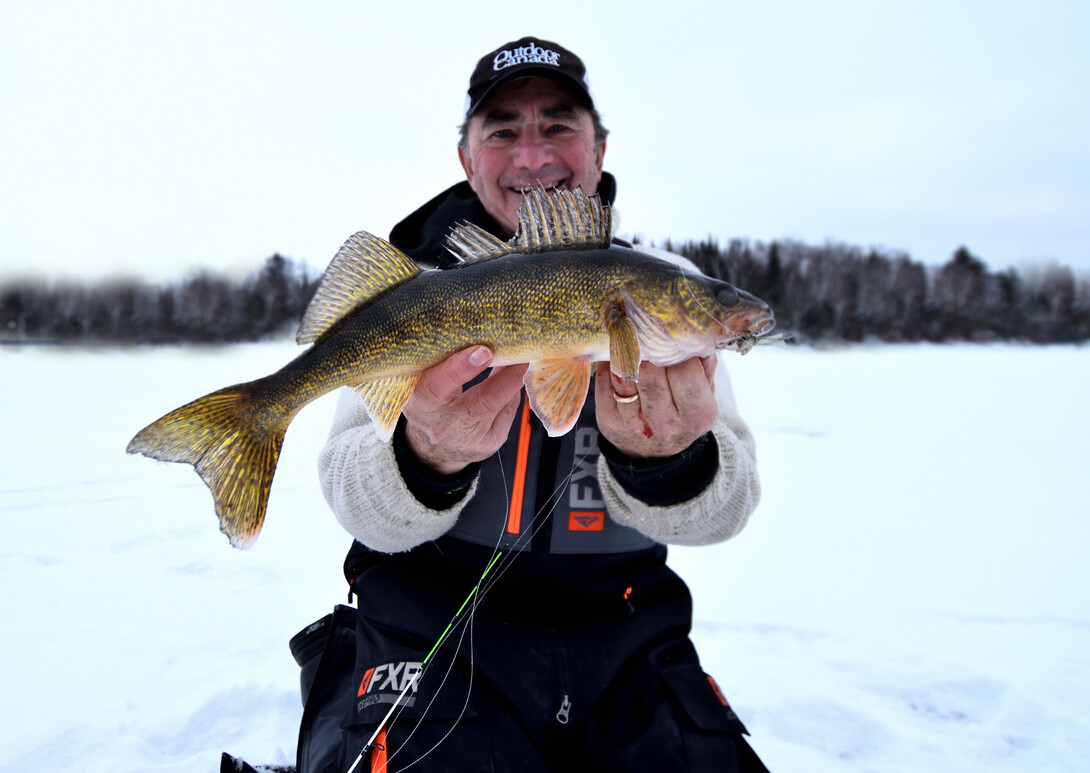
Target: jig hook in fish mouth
(745, 343)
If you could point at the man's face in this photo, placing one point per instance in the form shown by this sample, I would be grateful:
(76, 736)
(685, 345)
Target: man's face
(529, 131)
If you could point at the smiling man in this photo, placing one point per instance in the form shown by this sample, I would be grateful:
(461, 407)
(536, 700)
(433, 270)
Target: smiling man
(578, 656)
(530, 132)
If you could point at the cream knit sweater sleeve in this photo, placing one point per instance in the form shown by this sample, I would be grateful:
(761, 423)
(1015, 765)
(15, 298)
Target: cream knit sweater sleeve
(364, 488)
(722, 509)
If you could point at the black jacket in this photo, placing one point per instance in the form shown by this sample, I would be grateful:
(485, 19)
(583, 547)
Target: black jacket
(567, 545)
(579, 633)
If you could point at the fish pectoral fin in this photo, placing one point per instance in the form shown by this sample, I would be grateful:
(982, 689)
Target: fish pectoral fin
(384, 399)
(624, 347)
(557, 390)
(655, 339)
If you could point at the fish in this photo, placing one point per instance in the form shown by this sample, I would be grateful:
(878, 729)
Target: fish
(559, 295)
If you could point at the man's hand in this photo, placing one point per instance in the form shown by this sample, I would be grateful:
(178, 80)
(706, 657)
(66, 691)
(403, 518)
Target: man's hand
(447, 428)
(673, 407)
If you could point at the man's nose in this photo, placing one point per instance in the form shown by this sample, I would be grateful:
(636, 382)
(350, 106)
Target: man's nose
(533, 151)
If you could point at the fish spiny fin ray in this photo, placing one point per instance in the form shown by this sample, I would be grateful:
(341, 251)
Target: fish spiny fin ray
(363, 268)
(384, 399)
(469, 243)
(556, 390)
(561, 219)
(233, 450)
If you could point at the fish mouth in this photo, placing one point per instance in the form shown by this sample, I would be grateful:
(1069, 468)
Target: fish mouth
(752, 323)
(758, 324)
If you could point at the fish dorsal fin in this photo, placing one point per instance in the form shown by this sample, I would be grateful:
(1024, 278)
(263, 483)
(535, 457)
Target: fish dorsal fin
(364, 267)
(469, 243)
(562, 219)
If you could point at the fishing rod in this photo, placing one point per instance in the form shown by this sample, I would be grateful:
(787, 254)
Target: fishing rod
(479, 590)
(411, 685)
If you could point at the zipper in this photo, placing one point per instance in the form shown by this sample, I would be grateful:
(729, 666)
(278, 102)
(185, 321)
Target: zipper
(560, 650)
(564, 712)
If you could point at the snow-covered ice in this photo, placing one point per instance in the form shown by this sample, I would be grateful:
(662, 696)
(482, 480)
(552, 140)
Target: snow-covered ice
(913, 592)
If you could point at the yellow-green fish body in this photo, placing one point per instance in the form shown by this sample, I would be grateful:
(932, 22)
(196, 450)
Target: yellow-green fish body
(557, 296)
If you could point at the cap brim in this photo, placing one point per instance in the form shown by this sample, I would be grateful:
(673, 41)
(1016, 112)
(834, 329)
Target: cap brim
(576, 87)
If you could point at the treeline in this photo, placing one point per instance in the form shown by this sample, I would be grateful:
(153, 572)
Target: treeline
(832, 292)
(204, 308)
(843, 293)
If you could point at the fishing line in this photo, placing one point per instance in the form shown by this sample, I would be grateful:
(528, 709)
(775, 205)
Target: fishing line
(397, 706)
(439, 688)
(700, 305)
(500, 563)
(424, 663)
(389, 723)
(743, 342)
(487, 580)
(435, 696)
(493, 558)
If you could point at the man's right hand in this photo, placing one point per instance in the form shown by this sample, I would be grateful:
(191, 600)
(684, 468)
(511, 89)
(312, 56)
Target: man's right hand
(447, 428)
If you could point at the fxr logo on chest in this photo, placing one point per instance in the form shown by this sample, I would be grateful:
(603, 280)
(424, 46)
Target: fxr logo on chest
(390, 677)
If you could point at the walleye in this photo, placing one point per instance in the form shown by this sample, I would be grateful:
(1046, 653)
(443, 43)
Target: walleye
(558, 296)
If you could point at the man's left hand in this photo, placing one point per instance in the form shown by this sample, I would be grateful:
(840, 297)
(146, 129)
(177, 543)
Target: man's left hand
(673, 407)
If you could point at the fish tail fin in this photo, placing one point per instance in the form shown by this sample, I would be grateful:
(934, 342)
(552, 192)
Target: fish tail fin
(233, 445)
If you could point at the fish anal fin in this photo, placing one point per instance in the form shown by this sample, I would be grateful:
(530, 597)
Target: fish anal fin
(557, 390)
(364, 267)
(384, 399)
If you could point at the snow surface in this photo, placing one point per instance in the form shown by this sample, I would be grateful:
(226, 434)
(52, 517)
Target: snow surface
(911, 594)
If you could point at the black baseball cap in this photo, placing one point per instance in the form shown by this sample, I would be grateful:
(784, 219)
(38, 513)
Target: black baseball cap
(523, 59)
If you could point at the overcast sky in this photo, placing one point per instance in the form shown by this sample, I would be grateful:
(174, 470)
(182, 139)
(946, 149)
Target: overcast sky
(150, 138)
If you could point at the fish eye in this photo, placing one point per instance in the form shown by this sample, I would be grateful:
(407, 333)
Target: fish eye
(726, 295)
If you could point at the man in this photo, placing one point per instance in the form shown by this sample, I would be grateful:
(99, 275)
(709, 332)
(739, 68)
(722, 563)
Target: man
(574, 654)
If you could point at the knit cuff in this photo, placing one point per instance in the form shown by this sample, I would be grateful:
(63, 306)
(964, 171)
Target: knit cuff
(431, 489)
(669, 481)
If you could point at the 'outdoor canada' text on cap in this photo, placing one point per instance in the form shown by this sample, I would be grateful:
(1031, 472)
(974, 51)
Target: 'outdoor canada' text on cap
(522, 59)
